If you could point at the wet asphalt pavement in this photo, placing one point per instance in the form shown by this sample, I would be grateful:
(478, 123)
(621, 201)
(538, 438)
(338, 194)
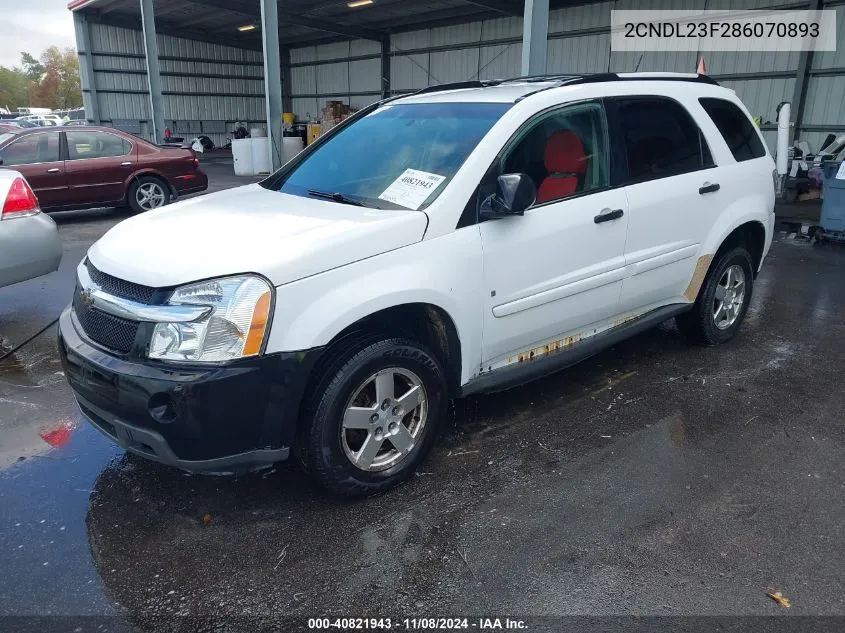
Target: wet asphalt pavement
(656, 478)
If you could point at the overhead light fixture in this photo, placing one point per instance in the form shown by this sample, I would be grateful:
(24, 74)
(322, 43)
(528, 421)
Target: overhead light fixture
(250, 27)
(358, 3)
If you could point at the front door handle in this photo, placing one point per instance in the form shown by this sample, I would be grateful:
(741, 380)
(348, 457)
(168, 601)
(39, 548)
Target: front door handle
(126, 164)
(708, 188)
(55, 170)
(607, 215)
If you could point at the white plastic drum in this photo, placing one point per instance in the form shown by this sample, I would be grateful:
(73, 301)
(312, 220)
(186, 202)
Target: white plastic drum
(291, 146)
(260, 155)
(242, 156)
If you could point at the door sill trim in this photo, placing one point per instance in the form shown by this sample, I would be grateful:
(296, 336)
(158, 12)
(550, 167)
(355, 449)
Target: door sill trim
(527, 370)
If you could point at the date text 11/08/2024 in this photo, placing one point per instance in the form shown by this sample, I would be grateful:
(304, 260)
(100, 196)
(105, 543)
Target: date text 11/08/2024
(416, 624)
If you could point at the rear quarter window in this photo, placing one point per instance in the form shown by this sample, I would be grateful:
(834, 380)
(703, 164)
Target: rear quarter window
(737, 130)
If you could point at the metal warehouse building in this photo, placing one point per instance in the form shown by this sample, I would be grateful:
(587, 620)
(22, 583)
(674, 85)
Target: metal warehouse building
(204, 64)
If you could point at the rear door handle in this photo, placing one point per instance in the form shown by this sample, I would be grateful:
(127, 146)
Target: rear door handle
(55, 170)
(607, 215)
(708, 188)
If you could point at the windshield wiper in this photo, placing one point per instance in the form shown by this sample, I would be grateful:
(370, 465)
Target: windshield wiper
(336, 197)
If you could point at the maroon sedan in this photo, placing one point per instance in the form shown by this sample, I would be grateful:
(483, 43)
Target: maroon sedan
(84, 167)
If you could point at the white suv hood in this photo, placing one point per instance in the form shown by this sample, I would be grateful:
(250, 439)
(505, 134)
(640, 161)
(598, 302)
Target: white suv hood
(249, 229)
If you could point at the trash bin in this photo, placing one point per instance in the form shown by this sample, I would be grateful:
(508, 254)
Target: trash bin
(833, 206)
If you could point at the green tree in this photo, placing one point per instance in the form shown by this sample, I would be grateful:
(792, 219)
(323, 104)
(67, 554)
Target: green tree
(32, 68)
(14, 88)
(58, 87)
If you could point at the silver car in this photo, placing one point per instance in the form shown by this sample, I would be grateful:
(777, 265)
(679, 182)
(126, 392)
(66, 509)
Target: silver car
(29, 240)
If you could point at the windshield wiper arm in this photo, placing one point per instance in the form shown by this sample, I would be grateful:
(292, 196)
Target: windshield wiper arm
(337, 197)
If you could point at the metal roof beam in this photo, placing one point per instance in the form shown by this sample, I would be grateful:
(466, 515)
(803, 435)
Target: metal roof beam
(176, 30)
(249, 11)
(501, 6)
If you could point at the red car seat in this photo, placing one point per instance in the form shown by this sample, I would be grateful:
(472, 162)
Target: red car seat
(566, 163)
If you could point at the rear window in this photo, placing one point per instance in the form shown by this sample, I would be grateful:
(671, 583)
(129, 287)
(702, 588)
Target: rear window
(92, 144)
(661, 139)
(737, 130)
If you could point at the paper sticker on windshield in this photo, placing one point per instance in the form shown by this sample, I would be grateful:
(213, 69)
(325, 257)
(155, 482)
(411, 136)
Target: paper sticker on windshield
(412, 188)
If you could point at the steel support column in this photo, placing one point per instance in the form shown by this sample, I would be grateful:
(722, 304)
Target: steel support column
(87, 78)
(287, 99)
(535, 37)
(385, 67)
(153, 70)
(799, 94)
(272, 79)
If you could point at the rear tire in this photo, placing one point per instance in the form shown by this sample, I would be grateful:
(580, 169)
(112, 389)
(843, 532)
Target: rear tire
(147, 193)
(372, 415)
(723, 300)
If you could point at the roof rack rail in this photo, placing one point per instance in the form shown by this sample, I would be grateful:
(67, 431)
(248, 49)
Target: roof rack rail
(558, 81)
(538, 78)
(458, 85)
(574, 80)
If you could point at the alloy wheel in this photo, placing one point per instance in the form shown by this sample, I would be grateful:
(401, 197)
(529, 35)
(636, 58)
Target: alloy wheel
(384, 419)
(729, 297)
(149, 196)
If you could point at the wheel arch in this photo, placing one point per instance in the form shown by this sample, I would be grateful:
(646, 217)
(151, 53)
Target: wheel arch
(752, 236)
(428, 323)
(748, 230)
(149, 172)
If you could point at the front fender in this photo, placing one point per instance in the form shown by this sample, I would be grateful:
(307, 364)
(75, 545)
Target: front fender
(445, 272)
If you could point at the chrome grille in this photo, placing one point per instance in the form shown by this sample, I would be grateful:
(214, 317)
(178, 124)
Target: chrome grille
(109, 331)
(120, 287)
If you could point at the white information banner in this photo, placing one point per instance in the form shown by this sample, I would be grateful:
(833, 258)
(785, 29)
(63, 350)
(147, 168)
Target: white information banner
(768, 30)
(412, 188)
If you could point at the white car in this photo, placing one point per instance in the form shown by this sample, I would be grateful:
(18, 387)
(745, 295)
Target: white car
(29, 240)
(42, 120)
(464, 239)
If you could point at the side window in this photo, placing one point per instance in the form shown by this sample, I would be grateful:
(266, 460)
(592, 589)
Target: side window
(661, 139)
(737, 130)
(32, 148)
(563, 151)
(95, 145)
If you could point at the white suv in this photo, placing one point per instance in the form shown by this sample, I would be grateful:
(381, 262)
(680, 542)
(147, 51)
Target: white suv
(463, 239)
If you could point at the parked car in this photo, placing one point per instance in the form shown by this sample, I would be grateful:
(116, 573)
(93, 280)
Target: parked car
(42, 120)
(456, 241)
(84, 167)
(29, 240)
(13, 125)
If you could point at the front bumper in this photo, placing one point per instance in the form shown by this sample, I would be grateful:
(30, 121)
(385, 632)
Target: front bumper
(221, 418)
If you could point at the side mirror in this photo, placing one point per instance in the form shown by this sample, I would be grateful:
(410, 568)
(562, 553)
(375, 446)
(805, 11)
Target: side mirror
(514, 194)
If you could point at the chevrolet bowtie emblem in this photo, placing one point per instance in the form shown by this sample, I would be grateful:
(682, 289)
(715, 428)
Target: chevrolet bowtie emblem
(86, 297)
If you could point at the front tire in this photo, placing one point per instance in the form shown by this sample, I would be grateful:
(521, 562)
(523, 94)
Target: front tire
(722, 301)
(373, 414)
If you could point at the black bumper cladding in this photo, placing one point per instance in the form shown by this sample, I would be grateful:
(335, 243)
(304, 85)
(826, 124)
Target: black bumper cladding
(218, 418)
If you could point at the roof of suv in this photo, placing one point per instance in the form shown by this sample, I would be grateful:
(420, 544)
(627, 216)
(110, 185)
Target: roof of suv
(513, 90)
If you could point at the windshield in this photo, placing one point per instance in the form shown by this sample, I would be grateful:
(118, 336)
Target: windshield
(5, 136)
(398, 157)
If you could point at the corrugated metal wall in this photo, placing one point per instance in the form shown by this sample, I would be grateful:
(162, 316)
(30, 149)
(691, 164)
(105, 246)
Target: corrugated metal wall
(579, 41)
(207, 82)
(205, 87)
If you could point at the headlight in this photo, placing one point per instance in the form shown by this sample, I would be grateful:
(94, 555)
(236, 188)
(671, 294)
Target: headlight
(235, 328)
